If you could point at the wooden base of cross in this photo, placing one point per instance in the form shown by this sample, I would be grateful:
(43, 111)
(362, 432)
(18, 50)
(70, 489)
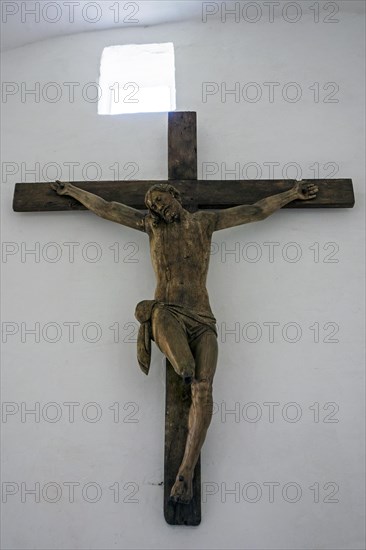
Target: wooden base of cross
(182, 160)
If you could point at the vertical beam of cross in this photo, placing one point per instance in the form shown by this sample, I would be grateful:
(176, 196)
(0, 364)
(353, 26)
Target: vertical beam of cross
(182, 165)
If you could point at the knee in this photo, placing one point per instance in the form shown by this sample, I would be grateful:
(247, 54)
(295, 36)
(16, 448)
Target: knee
(187, 369)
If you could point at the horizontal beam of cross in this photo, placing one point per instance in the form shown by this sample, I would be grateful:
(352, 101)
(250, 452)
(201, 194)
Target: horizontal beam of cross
(196, 194)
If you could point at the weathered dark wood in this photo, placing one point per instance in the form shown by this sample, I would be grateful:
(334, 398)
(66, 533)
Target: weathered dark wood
(39, 197)
(182, 146)
(182, 164)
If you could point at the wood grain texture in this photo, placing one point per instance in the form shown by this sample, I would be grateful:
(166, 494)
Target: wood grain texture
(182, 145)
(215, 194)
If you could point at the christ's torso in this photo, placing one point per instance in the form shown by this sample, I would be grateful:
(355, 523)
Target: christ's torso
(180, 254)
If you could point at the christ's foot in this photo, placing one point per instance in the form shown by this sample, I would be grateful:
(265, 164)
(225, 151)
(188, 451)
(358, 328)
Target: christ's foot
(182, 490)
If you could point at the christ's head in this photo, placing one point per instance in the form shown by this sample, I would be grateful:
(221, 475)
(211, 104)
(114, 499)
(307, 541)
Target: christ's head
(164, 202)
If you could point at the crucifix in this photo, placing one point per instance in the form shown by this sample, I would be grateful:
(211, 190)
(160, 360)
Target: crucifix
(179, 215)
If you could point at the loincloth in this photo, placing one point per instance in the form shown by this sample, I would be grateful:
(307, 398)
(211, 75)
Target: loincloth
(194, 322)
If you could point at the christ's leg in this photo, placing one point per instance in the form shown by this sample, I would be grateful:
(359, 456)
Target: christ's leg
(171, 338)
(205, 353)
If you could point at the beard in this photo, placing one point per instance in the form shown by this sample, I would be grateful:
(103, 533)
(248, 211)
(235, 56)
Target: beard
(170, 215)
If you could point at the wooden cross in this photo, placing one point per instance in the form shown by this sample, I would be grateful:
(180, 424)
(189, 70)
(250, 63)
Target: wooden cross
(196, 194)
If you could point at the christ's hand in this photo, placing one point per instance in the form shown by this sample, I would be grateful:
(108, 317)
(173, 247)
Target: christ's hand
(60, 187)
(305, 191)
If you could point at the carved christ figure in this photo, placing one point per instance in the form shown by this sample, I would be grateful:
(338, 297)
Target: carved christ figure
(179, 319)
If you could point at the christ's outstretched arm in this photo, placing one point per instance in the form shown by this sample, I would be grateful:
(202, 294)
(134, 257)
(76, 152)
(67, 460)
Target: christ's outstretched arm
(113, 211)
(260, 210)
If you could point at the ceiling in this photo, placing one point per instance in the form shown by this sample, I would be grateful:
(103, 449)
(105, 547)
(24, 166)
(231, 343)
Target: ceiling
(61, 17)
(19, 27)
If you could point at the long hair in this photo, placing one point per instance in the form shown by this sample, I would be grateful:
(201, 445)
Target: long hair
(163, 188)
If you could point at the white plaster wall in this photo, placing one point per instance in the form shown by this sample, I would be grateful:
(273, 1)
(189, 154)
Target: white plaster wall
(237, 451)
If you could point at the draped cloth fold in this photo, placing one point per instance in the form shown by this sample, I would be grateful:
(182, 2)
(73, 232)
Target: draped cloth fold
(143, 314)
